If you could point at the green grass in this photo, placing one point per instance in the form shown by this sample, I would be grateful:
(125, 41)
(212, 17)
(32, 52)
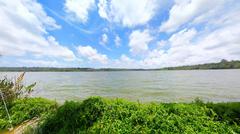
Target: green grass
(24, 109)
(101, 115)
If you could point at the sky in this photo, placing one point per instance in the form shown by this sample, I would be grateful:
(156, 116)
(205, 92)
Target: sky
(118, 33)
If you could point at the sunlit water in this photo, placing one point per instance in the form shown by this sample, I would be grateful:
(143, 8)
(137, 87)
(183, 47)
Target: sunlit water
(144, 86)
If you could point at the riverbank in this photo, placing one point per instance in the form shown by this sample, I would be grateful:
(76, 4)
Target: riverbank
(96, 114)
(22, 110)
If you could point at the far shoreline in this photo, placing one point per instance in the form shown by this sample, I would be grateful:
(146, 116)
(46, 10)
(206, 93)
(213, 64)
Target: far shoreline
(222, 65)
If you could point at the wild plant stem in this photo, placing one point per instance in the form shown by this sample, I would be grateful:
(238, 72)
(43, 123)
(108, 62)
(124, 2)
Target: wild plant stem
(5, 106)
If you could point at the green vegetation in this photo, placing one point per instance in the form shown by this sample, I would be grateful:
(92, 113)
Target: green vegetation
(224, 64)
(12, 90)
(100, 115)
(24, 109)
(16, 97)
(229, 112)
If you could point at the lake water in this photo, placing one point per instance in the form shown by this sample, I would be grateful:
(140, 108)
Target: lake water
(143, 86)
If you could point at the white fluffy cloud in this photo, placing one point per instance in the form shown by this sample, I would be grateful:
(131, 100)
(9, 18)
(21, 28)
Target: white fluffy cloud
(104, 39)
(139, 41)
(209, 32)
(198, 31)
(185, 11)
(182, 38)
(37, 63)
(218, 39)
(78, 10)
(123, 62)
(24, 26)
(91, 54)
(190, 47)
(129, 13)
(117, 41)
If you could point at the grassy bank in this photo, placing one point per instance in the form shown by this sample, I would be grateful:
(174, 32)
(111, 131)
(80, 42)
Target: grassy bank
(25, 109)
(100, 115)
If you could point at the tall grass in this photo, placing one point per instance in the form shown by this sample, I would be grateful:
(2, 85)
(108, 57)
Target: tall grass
(15, 89)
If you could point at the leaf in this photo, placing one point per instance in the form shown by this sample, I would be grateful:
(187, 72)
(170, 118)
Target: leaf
(30, 87)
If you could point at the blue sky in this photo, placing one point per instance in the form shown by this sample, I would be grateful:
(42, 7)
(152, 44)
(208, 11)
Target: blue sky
(118, 33)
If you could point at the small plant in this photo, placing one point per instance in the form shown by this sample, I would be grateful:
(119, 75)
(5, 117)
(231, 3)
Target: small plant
(12, 90)
(198, 101)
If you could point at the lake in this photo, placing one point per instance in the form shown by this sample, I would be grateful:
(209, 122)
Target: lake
(143, 86)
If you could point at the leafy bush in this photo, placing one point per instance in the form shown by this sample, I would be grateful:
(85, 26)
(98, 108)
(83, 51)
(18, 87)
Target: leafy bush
(73, 116)
(12, 90)
(97, 115)
(24, 109)
(229, 112)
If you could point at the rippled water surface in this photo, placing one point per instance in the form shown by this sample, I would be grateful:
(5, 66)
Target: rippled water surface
(164, 86)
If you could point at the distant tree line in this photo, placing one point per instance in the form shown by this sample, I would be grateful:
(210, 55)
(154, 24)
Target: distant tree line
(55, 69)
(223, 64)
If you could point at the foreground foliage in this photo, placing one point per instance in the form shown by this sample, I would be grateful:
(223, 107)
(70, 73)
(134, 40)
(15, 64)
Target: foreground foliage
(229, 112)
(24, 109)
(14, 89)
(98, 115)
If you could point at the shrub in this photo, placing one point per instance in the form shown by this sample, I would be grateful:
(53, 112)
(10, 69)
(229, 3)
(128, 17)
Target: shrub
(24, 109)
(12, 90)
(229, 112)
(74, 116)
(97, 115)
